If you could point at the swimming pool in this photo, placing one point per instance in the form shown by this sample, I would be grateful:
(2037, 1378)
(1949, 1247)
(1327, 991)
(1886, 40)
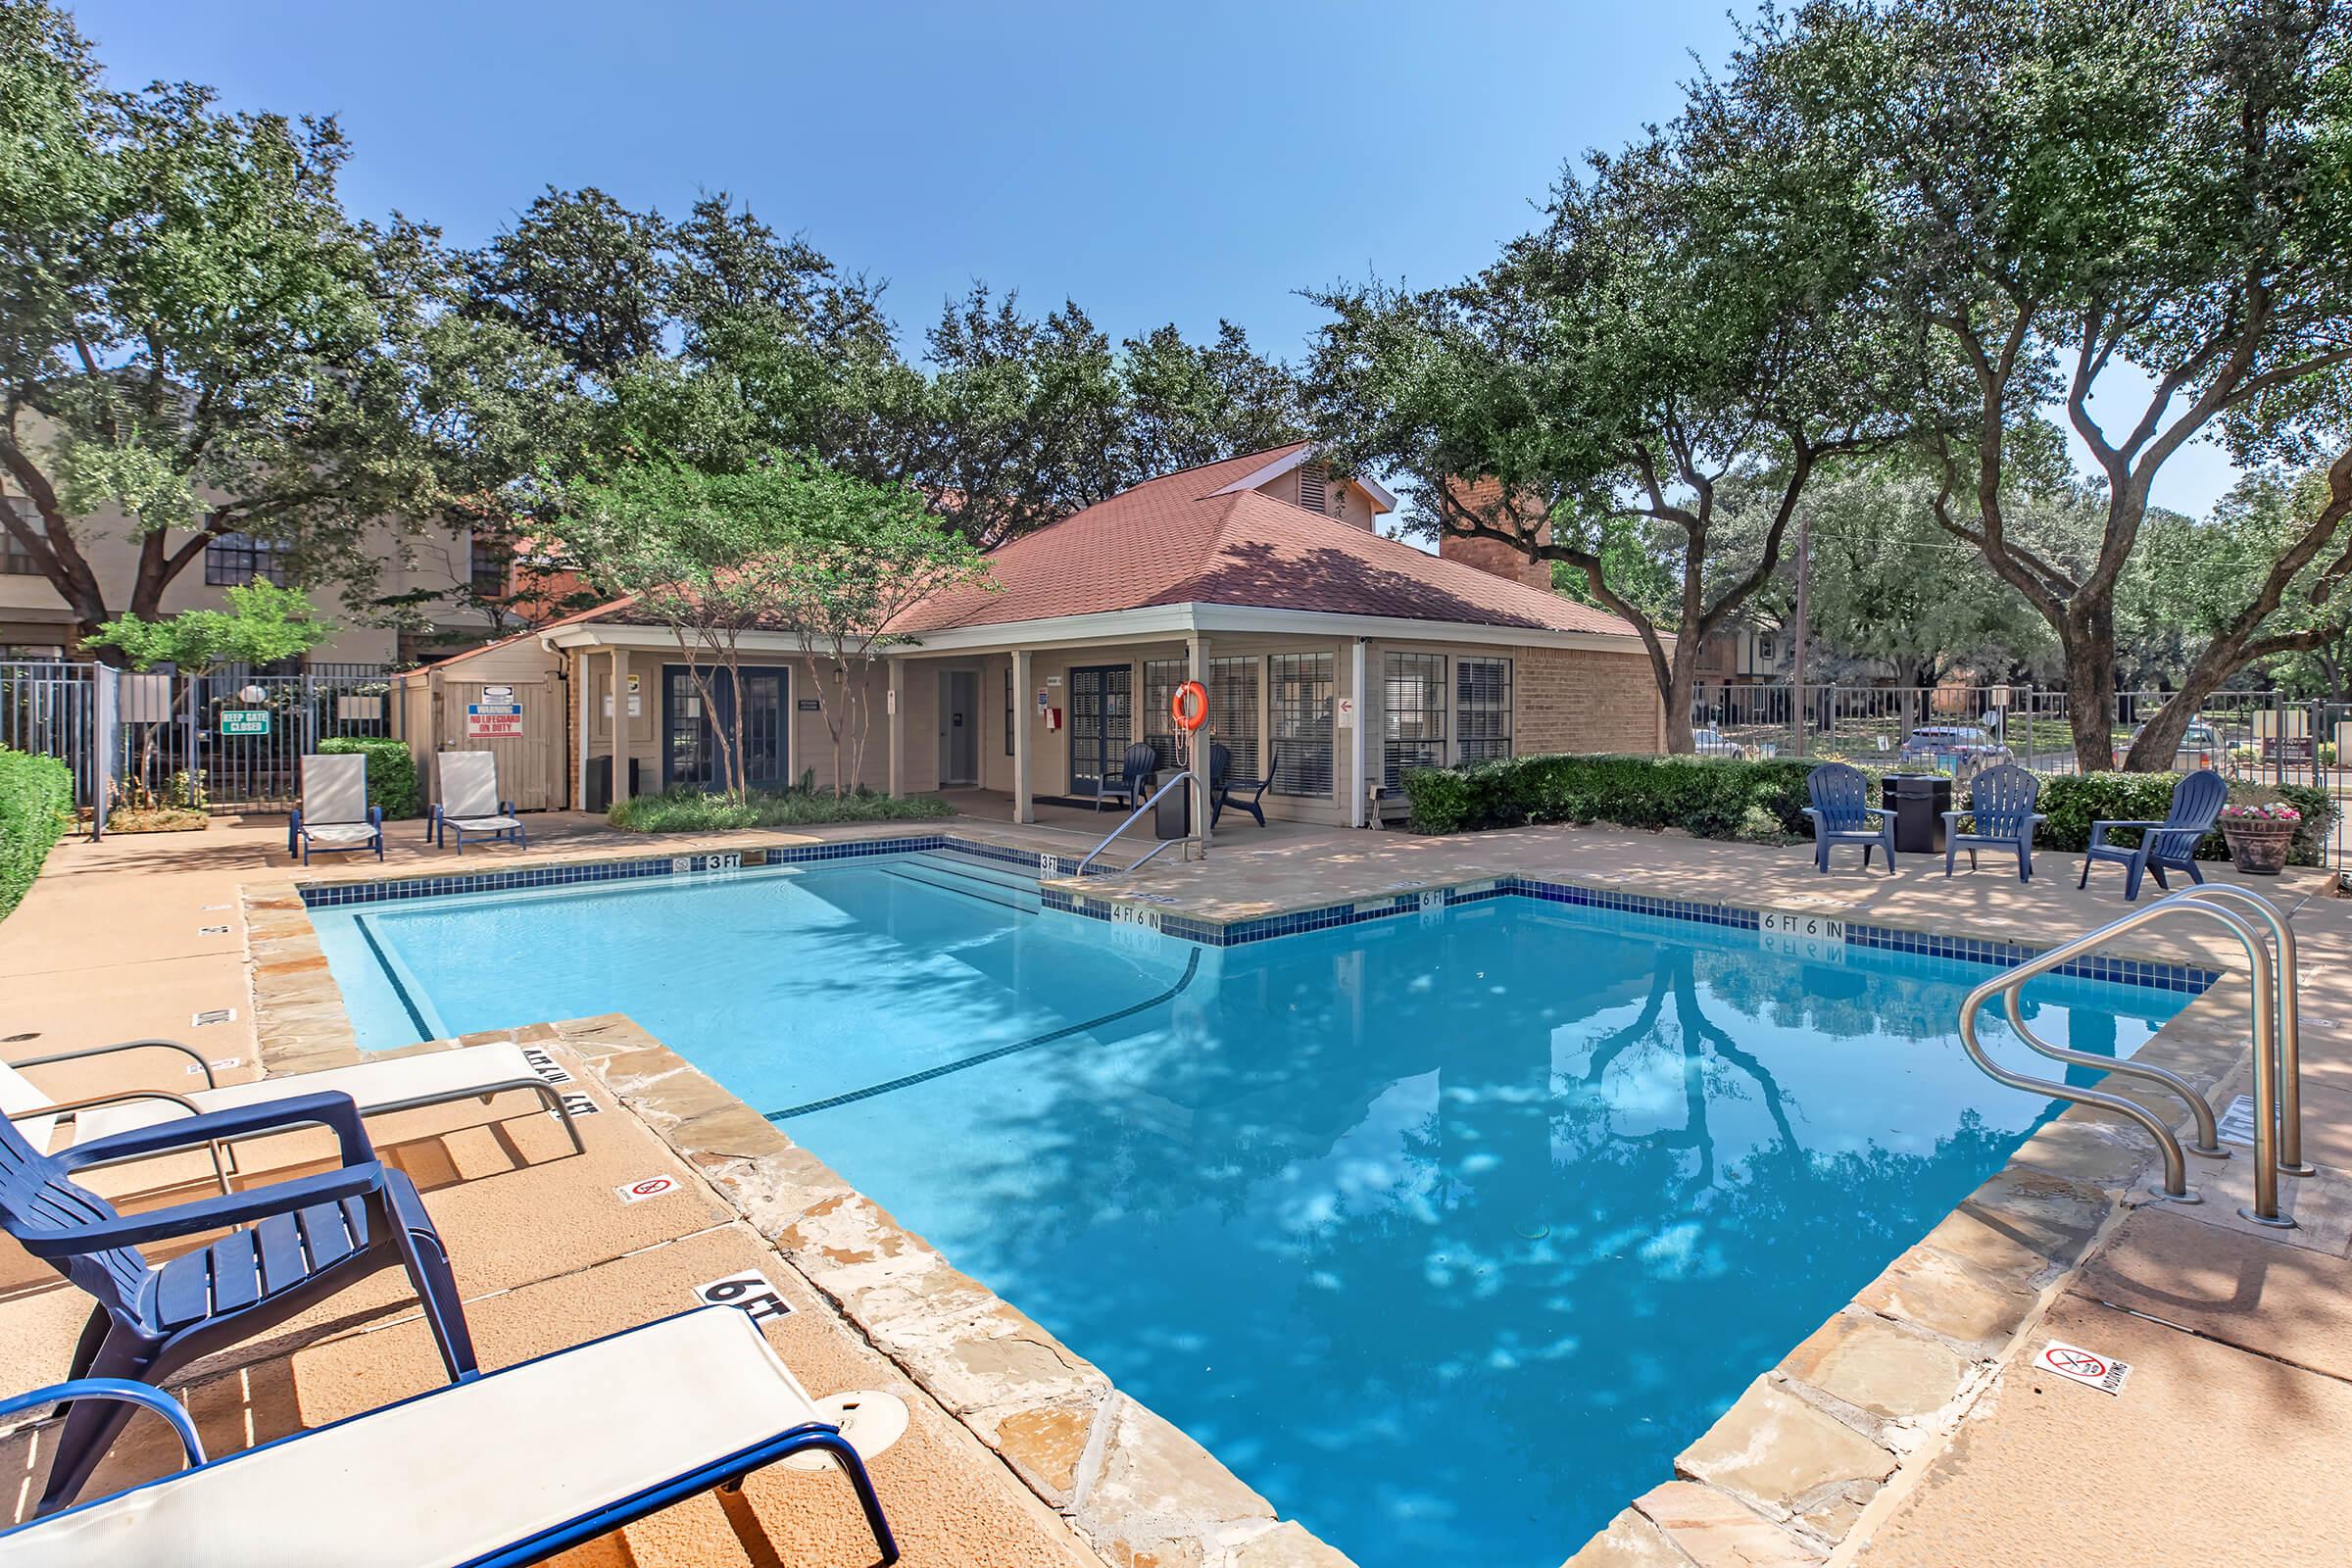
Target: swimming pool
(1445, 1232)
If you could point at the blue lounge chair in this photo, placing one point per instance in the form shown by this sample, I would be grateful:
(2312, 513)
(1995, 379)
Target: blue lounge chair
(1134, 781)
(504, 1469)
(1841, 813)
(2171, 844)
(304, 1239)
(1222, 786)
(2000, 816)
(334, 815)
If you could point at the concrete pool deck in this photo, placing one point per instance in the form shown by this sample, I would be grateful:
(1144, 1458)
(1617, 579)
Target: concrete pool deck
(1906, 1430)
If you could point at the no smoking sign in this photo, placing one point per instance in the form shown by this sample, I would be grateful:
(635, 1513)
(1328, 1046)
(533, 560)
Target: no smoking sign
(2077, 1365)
(638, 1192)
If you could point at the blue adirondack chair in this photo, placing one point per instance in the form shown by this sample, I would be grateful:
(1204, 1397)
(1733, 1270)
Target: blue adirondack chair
(304, 1239)
(1136, 771)
(2000, 816)
(2170, 844)
(1841, 813)
(1222, 786)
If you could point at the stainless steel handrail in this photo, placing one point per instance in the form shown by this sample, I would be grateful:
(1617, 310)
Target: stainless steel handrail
(1183, 775)
(2290, 1022)
(2209, 1142)
(2264, 1209)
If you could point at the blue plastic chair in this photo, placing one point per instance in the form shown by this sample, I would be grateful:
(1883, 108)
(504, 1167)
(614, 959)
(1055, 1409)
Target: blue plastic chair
(304, 1239)
(2002, 816)
(1841, 813)
(1136, 772)
(2171, 844)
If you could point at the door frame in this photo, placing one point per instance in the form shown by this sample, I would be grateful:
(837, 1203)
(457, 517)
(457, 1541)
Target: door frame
(675, 680)
(950, 777)
(1108, 762)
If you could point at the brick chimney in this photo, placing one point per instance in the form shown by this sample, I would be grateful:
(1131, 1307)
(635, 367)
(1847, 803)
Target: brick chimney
(1491, 556)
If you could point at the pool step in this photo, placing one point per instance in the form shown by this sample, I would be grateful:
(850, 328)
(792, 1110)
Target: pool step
(986, 881)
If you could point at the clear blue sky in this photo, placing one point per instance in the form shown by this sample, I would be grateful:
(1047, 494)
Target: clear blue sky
(1153, 161)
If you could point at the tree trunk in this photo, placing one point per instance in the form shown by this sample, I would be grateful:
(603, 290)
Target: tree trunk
(1681, 676)
(2088, 638)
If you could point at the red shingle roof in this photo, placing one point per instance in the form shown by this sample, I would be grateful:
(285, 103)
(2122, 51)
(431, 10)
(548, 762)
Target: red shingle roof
(1173, 540)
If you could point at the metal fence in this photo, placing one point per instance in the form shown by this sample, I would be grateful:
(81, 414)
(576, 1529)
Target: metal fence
(231, 740)
(2254, 737)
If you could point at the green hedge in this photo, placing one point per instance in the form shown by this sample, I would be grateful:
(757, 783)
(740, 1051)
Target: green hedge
(1763, 802)
(37, 803)
(685, 809)
(1727, 799)
(391, 771)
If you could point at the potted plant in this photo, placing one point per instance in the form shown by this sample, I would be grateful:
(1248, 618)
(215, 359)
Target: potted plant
(2260, 833)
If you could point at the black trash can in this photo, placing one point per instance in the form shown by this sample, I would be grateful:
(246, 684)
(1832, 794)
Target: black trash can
(1172, 816)
(1917, 802)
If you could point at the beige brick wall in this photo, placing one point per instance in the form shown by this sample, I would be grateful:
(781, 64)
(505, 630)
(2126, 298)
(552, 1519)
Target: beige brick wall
(1575, 700)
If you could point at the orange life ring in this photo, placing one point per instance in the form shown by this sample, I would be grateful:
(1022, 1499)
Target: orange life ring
(1190, 705)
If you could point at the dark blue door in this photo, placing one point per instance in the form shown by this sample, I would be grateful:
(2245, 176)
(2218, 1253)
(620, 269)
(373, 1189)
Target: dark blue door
(690, 753)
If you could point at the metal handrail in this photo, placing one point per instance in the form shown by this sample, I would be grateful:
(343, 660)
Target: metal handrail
(1182, 775)
(2290, 1031)
(2176, 1187)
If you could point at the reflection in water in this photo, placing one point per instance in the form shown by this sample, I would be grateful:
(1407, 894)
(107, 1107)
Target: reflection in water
(1446, 1235)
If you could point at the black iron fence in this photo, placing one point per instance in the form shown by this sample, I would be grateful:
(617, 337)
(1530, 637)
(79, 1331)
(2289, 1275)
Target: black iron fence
(229, 741)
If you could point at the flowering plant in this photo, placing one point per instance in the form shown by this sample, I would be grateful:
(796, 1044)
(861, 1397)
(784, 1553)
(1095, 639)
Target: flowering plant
(2262, 811)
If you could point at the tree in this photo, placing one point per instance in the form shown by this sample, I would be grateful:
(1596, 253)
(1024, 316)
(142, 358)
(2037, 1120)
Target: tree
(194, 335)
(1184, 404)
(784, 545)
(2068, 198)
(1689, 327)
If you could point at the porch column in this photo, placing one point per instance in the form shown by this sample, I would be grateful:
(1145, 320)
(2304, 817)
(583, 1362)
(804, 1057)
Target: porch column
(1197, 656)
(579, 767)
(897, 704)
(1355, 739)
(621, 724)
(1022, 725)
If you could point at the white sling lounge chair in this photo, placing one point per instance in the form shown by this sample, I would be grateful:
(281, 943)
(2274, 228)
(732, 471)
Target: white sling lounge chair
(395, 1083)
(334, 813)
(470, 802)
(504, 1468)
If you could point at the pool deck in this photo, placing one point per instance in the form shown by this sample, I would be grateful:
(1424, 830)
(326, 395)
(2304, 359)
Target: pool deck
(1909, 1430)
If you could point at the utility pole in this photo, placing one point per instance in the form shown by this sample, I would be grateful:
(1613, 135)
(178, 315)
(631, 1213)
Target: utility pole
(1805, 578)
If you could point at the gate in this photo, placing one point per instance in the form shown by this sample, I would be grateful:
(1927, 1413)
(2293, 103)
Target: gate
(530, 765)
(52, 708)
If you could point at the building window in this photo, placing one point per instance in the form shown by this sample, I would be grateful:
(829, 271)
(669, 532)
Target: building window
(1482, 707)
(233, 559)
(1765, 652)
(1233, 711)
(490, 560)
(1299, 688)
(1412, 710)
(15, 559)
(1161, 678)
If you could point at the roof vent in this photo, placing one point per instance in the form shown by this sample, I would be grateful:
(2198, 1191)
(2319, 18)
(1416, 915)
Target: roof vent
(1312, 479)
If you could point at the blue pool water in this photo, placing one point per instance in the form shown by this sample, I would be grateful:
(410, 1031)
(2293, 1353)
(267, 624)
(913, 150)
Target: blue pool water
(1447, 1232)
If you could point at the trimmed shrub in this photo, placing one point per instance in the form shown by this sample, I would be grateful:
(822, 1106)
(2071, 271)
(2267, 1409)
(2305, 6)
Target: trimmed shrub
(37, 803)
(391, 771)
(690, 810)
(2074, 800)
(1763, 802)
(1712, 798)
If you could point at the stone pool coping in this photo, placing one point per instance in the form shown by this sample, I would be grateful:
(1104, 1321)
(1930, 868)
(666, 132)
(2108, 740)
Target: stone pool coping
(1815, 1452)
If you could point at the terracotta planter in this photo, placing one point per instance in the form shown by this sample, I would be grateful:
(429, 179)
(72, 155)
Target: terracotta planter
(2257, 847)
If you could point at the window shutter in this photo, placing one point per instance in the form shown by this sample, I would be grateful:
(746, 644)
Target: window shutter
(1313, 477)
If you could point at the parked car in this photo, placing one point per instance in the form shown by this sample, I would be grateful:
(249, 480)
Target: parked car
(1944, 745)
(1711, 743)
(2200, 748)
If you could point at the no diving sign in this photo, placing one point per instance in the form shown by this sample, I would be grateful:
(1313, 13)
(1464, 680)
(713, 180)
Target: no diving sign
(2077, 1365)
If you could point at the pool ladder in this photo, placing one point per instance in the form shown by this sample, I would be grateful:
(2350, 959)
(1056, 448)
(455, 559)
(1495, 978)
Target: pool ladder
(2278, 1047)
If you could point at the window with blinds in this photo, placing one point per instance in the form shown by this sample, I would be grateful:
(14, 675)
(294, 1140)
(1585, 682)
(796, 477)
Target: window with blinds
(15, 559)
(1482, 707)
(1314, 480)
(233, 559)
(1161, 678)
(1412, 710)
(1300, 689)
(1232, 710)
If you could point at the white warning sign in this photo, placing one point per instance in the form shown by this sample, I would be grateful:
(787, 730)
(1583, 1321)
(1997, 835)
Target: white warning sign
(2077, 1365)
(638, 1192)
